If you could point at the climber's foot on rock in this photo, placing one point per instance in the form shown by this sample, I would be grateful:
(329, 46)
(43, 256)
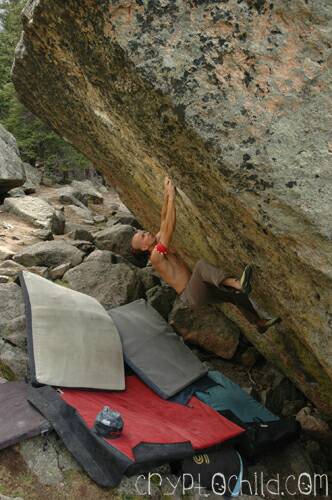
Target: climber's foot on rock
(264, 324)
(245, 280)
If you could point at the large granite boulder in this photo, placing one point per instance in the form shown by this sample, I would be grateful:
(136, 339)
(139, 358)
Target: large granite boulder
(111, 284)
(206, 327)
(49, 254)
(12, 172)
(37, 211)
(231, 99)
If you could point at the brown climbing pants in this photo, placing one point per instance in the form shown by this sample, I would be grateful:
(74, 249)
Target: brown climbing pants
(204, 287)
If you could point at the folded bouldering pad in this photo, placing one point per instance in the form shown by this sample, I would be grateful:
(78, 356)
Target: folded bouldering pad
(154, 351)
(228, 396)
(19, 420)
(155, 431)
(72, 341)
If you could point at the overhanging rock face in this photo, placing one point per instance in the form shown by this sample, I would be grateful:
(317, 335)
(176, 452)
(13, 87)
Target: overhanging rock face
(233, 100)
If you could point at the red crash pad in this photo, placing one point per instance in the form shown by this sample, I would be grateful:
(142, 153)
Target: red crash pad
(150, 419)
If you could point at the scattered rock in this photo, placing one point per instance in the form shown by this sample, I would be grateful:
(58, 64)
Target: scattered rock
(4, 279)
(125, 218)
(118, 239)
(59, 221)
(85, 246)
(40, 270)
(313, 424)
(57, 272)
(11, 303)
(47, 458)
(37, 211)
(33, 178)
(67, 196)
(86, 192)
(78, 215)
(111, 284)
(162, 298)
(43, 234)
(249, 357)
(284, 391)
(148, 277)
(207, 327)
(14, 358)
(291, 408)
(49, 254)
(14, 330)
(10, 268)
(17, 192)
(99, 218)
(6, 254)
(80, 234)
(11, 166)
(106, 256)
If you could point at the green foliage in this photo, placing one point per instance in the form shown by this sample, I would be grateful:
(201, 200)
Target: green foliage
(36, 141)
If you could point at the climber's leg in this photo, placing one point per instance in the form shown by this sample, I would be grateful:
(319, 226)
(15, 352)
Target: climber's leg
(204, 279)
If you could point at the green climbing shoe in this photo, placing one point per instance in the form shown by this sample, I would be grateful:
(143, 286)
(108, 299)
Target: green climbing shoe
(268, 323)
(245, 280)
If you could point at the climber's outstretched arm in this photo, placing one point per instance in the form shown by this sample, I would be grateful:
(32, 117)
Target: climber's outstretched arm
(168, 224)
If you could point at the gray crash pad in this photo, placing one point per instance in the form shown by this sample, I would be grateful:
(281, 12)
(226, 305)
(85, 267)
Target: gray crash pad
(153, 350)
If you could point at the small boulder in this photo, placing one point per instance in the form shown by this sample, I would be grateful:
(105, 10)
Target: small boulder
(249, 357)
(313, 424)
(10, 268)
(41, 271)
(123, 218)
(4, 279)
(99, 218)
(14, 358)
(33, 178)
(6, 254)
(86, 192)
(106, 256)
(49, 254)
(281, 393)
(36, 211)
(81, 234)
(162, 299)
(43, 234)
(207, 327)
(117, 239)
(17, 192)
(148, 277)
(85, 246)
(66, 195)
(111, 284)
(14, 330)
(78, 215)
(56, 273)
(11, 303)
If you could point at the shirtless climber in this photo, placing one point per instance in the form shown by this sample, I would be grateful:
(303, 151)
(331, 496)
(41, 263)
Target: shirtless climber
(206, 284)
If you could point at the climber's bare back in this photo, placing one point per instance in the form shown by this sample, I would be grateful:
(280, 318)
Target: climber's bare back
(171, 269)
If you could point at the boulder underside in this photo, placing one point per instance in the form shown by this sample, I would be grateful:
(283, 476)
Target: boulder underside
(231, 99)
